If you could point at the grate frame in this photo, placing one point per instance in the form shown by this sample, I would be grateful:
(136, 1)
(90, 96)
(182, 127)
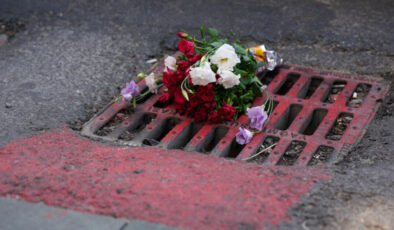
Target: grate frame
(226, 146)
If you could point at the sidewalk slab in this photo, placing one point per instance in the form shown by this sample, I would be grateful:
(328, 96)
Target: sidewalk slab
(23, 215)
(19, 215)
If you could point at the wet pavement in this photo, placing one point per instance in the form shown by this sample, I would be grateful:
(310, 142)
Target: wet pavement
(71, 58)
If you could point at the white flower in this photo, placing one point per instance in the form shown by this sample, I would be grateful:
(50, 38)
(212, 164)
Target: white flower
(228, 79)
(202, 75)
(225, 58)
(169, 63)
(150, 82)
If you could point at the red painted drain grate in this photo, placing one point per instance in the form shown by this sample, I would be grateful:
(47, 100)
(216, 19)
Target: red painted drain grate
(317, 115)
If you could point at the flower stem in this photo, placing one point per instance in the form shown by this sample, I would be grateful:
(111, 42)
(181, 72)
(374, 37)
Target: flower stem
(255, 155)
(141, 96)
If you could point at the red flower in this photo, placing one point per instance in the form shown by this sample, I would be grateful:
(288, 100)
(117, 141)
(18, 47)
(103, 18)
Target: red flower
(210, 105)
(217, 76)
(181, 34)
(186, 47)
(172, 80)
(201, 114)
(206, 93)
(182, 66)
(214, 117)
(194, 59)
(180, 101)
(227, 112)
(193, 104)
(164, 99)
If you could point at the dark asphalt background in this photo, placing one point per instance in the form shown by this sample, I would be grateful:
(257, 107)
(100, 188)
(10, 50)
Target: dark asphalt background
(73, 57)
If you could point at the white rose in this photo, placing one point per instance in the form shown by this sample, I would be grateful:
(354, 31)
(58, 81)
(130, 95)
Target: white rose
(169, 63)
(202, 75)
(225, 58)
(151, 83)
(228, 79)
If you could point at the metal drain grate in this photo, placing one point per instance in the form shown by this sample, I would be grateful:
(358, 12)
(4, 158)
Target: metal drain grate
(317, 115)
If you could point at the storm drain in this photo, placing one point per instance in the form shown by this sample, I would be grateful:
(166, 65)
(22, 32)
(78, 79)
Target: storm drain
(318, 114)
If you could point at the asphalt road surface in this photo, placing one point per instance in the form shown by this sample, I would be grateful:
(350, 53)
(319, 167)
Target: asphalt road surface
(70, 58)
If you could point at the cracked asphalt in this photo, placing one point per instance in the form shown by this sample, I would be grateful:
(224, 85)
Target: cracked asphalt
(72, 58)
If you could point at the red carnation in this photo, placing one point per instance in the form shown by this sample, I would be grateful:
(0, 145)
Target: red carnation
(214, 117)
(194, 59)
(206, 93)
(182, 34)
(180, 101)
(194, 101)
(193, 104)
(227, 112)
(201, 114)
(182, 66)
(172, 80)
(186, 47)
(210, 105)
(164, 99)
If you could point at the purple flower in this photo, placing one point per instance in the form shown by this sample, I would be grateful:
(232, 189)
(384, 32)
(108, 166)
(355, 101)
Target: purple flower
(131, 90)
(257, 117)
(243, 136)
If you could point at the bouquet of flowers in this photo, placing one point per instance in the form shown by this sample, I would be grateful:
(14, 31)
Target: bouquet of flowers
(213, 81)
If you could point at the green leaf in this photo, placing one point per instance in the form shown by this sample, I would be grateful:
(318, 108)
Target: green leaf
(240, 71)
(256, 91)
(239, 49)
(214, 68)
(245, 81)
(260, 64)
(202, 31)
(217, 44)
(213, 33)
(246, 58)
(182, 57)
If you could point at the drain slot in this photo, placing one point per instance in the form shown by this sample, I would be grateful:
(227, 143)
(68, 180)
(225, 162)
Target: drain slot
(321, 156)
(335, 90)
(292, 153)
(212, 139)
(161, 131)
(341, 123)
(287, 84)
(137, 126)
(313, 121)
(233, 149)
(266, 77)
(115, 121)
(358, 96)
(276, 103)
(185, 136)
(288, 117)
(265, 148)
(310, 87)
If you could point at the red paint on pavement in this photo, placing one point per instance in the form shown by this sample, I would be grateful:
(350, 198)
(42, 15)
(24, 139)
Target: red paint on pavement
(175, 188)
